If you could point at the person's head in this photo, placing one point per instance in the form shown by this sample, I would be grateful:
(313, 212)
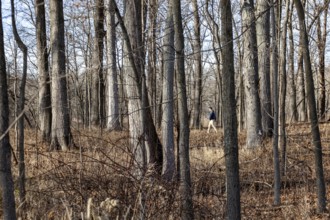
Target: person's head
(211, 109)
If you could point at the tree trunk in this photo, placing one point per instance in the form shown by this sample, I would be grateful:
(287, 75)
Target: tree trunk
(320, 183)
(20, 109)
(45, 110)
(98, 97)
(113, 102)
(185, 180)
(229, 113)
(276, 161)
(322, 40)
(292, 78)
(61, 133)
(6, 178)
(168, 100)
(250, 72)
(263, 40)
(283, 86)
(197, 68)
(301, 84)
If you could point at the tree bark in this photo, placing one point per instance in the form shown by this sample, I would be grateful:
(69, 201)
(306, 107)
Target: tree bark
(98, 97)
(20, 109)
(45, 109)
(6, 178)
(250, 72)
(263, 40)
(113, 102)
(185, 179)
(276, 160)
(197, 47)
(168, 168)
(61, 133)
(229, 113)
(320, 183)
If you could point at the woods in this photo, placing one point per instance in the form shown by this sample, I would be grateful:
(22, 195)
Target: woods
(104, 107)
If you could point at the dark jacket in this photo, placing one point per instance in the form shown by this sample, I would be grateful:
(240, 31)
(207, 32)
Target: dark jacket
(212, 116)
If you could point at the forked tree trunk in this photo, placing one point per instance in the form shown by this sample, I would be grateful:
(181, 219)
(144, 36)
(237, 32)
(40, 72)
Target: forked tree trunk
(61, 133)
(320, 183)
(6, 178)
(229, 113)
(45, 109)
(20, 109)
(250, 72)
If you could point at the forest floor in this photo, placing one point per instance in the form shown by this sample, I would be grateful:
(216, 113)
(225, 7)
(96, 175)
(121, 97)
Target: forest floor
(97, 179)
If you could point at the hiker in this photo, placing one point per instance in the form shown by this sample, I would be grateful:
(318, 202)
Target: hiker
(212, 118)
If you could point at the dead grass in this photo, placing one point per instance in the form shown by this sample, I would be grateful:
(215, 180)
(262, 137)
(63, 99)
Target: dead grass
(96, 180)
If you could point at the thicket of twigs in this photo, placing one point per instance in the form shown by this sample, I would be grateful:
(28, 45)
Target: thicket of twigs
(96, 181)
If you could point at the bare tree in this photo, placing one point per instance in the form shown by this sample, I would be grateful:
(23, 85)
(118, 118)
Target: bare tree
(20, 107)
(250, 72)
(98, 97)
(113, 95)
(61, 133)
(45, 110)
(6, 178)
(320, 183)
(263, 40)
(183, 144)
(276, 160)
(168, 168)
(229, 113)
(197, 47)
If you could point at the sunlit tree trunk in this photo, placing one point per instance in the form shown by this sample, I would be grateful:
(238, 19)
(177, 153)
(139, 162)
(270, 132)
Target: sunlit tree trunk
(6, 178)
(229, 113)
(250, 72)
(61, 133)
(320, 183)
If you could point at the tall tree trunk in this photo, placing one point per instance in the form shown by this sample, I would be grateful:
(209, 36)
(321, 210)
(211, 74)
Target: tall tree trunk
(168, 99)
(301, 84)
(322, 40)
(45, 110)
(276, 161)
(20, 109)
(250, 72)
(320, 183)
(61, 133)
(6, 178)
(263, 40)
(229, 113)
(98, 97)
(113, 102)
(185, 179)
(283, 86)
(292, 76)
(197, 47)
(145, 143)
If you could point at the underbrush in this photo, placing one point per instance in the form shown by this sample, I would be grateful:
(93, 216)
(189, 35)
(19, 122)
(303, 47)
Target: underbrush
(96, 180)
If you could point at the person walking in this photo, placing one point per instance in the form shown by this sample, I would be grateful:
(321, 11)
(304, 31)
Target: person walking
(212, 118)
